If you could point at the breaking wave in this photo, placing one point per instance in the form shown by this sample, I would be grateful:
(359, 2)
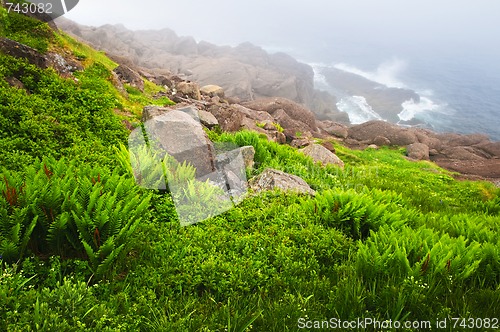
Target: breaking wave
(358, 109)
(413, 110)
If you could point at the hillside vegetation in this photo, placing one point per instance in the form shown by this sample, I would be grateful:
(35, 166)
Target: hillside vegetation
(83, 248)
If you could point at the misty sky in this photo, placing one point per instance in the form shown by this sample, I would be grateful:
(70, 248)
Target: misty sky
(439, 24)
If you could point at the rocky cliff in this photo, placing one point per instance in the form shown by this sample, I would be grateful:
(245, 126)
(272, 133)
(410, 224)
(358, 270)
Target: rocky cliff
(246, 72)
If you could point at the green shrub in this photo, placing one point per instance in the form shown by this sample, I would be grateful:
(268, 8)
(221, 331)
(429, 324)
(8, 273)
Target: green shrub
(26, 30)
(56, 117)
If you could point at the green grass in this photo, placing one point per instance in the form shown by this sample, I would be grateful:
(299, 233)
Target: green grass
(384, 238)
(83, 52)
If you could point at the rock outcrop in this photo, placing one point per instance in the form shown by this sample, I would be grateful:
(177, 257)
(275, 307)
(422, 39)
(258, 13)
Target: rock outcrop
(474, 156)
(246, 72)
(18, 50)
(371, 131)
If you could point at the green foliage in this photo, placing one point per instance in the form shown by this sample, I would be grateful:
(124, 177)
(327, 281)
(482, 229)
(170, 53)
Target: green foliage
(56, 117)
(26, 30)
(278, 127)
(354, 213)
(58, 209)
(84, 52)
(153, 169)
(137, 99)
(260, 124)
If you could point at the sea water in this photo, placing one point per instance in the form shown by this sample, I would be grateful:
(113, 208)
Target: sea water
(457, 93)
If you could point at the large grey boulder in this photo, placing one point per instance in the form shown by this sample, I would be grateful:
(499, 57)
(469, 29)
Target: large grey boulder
(321, 154)
(181, 136)
(272, 179)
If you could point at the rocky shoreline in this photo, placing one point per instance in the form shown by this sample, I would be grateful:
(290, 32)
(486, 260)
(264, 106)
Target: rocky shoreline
(472, 157)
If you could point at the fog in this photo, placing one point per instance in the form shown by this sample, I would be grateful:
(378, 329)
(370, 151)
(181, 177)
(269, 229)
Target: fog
(391, 25)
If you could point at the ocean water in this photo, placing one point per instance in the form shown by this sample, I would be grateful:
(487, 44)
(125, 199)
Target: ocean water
(457, 93)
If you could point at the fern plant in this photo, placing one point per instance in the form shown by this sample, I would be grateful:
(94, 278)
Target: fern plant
(353, 213)
(68, 211)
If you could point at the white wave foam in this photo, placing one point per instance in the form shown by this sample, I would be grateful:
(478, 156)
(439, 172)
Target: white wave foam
(358, 109)
(386, 73)
(412, 110)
